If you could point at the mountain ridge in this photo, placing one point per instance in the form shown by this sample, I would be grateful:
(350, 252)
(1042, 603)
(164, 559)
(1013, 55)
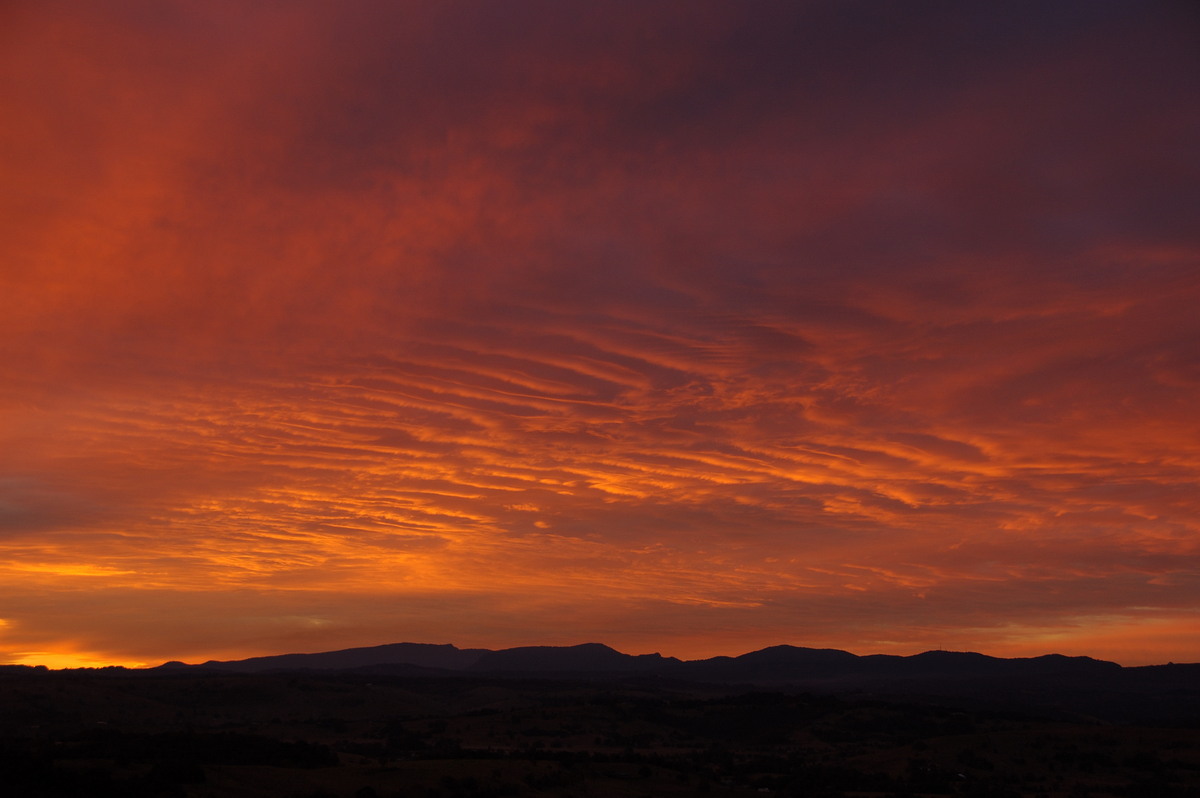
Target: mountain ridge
(1079, 688)
(771, 665)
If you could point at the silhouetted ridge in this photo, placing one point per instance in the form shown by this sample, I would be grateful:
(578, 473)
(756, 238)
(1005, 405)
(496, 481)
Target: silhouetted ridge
(796, 654)
(1059, 662)
(783, 665)
(773, 664)
(584, 658)
(425, 655)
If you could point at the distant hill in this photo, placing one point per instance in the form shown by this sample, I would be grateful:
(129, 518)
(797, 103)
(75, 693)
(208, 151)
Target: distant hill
(424, 655)
(582, 659)
(1068, 687)
(1053, 686)
(777, 665)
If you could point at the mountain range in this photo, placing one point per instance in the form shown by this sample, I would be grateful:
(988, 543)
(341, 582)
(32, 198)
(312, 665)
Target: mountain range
(1054, 684)
(782, 664)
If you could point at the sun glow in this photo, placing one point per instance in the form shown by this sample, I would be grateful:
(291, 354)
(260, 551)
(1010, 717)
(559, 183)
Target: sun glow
(57, 660)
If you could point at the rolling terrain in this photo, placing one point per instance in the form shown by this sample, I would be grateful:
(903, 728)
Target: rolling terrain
(442, 722)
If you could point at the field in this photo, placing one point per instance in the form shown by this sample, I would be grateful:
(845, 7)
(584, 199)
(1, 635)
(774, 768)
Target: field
(114, 733)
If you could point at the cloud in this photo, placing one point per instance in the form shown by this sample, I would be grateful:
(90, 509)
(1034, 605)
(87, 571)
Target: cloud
(789, 323)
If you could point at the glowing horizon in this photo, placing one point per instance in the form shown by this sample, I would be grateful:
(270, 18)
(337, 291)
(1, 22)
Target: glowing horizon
(692, 328)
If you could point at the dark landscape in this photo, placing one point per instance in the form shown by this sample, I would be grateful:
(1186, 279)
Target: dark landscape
(436, 721)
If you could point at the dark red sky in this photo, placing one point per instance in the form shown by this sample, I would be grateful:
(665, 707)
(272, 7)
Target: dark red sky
(693, 327)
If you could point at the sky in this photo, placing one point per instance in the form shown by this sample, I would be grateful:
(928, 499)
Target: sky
(691, 327)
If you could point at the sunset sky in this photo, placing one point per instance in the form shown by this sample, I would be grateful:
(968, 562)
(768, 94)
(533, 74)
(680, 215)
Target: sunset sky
(691, 327)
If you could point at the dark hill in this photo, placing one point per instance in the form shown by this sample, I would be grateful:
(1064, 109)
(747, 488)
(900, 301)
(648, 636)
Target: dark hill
(587, 658)
(777, 665)
(425, 655)
(1066, 687)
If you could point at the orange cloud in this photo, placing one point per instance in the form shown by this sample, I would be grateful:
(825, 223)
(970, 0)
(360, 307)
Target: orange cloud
(338, 326)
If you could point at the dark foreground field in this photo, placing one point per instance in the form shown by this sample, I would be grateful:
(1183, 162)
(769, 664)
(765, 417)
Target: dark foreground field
(114, 733)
